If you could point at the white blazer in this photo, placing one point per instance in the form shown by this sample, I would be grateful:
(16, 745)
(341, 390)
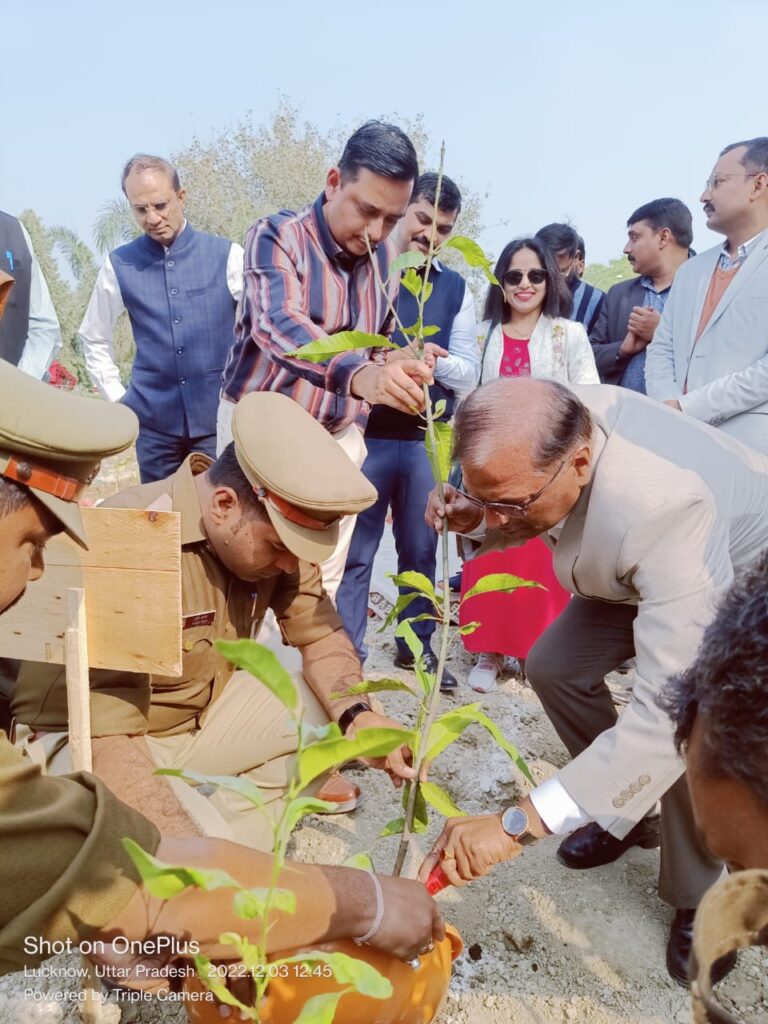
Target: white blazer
(559, 350)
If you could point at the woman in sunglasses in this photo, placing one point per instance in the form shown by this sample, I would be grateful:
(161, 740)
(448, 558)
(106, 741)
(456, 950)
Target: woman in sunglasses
(527, 334)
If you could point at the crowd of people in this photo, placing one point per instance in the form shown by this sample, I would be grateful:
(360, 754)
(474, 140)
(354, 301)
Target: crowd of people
(609, 446)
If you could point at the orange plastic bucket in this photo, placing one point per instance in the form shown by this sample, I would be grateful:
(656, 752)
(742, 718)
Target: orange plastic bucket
(417, 995)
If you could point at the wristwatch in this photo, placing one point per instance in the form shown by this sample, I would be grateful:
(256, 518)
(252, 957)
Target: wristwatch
(347, 717)
(515, 823)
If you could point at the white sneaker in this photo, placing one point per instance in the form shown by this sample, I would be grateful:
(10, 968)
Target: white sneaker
(486, 671)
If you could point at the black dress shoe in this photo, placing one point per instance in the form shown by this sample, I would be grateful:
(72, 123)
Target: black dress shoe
(448, 683)
(591, 846)
(679, 950)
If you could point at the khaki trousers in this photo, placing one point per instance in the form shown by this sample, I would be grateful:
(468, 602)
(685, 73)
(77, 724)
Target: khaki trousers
(351, 441)
(246, 732)
(566, 667)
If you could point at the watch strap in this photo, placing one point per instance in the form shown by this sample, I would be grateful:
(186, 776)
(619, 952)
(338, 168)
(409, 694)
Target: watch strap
(348, 716)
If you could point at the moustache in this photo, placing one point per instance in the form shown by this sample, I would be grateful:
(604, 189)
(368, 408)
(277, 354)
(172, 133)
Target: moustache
(708, 208)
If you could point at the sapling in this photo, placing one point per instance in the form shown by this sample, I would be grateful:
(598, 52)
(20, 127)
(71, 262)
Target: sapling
(434, 732)
(319, 750)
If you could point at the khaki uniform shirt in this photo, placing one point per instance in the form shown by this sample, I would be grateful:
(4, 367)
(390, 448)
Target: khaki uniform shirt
(63, 870)
(215, 606)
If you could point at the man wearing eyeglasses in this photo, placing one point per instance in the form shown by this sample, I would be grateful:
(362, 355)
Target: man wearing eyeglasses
(649, 515)
(709, 355)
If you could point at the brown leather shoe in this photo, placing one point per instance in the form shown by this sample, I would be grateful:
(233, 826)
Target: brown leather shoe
(340, 791)
(679, 950)
(591, 846)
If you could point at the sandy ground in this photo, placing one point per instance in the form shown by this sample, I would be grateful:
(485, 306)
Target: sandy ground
(553, 945)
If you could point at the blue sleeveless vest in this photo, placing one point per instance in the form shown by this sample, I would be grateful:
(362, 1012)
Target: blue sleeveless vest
(183, 318)
(440, 309)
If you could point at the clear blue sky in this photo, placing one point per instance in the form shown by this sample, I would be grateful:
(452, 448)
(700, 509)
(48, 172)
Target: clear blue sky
(557, 110)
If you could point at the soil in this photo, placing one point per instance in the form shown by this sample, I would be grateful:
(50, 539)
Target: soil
(551, 945)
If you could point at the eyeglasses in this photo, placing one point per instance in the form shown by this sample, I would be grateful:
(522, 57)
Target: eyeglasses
(512, 510)
(514, 277)
(716, 180)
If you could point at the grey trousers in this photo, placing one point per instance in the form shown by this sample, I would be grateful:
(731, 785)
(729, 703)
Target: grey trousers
(566, 667)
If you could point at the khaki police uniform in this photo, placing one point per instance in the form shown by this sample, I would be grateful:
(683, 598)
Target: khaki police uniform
(212, 719)
(63, 870)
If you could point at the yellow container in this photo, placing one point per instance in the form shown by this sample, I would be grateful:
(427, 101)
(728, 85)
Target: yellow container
(416, 998)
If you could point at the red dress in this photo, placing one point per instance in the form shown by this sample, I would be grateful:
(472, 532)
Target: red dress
(511, 623)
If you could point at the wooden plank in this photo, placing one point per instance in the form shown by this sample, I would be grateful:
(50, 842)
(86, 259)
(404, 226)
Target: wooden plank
(131, 575)
(78, 683)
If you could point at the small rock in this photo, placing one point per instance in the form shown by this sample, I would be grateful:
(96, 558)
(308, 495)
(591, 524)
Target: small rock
(475, 951)
(489, 1001)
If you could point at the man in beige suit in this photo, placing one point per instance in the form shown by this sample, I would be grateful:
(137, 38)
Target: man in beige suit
(709, 354)
(648, 513)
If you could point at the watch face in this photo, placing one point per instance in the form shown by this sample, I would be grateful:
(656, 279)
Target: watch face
(514, 821)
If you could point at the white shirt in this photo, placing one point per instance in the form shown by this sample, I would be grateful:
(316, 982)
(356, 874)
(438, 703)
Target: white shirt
(106, 305)
(460, 370)
(44, 333)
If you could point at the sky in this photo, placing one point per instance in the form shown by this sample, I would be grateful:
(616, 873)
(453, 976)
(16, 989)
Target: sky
(580, 111)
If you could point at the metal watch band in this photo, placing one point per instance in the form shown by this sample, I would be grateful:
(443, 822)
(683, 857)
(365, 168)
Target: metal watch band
(347, 717)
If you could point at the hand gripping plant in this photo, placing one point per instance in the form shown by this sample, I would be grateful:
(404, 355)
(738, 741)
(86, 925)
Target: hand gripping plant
(319, 751)
(434, 731)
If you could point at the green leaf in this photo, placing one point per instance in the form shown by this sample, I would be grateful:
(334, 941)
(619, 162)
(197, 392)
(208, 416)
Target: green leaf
(437, 797)
(452, 724)
(313, 733)
(472, 253)
(263, 664)
(347, 970)
(416, 581)
(236, 783)
(246, 952)
(213, 981)
(427, 291)
(393, 828)
(407, 261)
(304, 805)
(319, 1009)
(438, 408)
(322, 757)
(439, 451)
(165, 881)
(412, 282)
(345, 341)
(430, 330)
(374, 686)
(251, 903)
(469, 627)
(400, 604)
(420, 811)
(363, 861)
(415, 646)
(499, 582)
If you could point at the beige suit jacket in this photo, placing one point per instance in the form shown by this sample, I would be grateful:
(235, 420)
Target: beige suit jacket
(674, 507)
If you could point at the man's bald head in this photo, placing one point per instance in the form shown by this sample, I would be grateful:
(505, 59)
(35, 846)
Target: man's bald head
(519, 416)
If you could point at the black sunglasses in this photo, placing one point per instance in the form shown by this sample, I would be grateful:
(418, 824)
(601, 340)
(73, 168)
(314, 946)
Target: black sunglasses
(536, 276)
(504, 508)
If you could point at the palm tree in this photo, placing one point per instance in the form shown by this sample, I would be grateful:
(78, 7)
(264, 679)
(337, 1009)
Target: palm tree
(114, 226)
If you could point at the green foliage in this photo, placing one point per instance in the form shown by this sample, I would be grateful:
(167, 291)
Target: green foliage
(346, 970)
(472, 253)
(437, 797)
(605, 275)
(263, 664)
(236, 783)
(322, 757)
(499, 583)
(164, 880)
(405, 261)
(417, 581)
(374, 686)
(450, 726)
(345, 341)
(439, 449)
(320, 1009)
(362, 861)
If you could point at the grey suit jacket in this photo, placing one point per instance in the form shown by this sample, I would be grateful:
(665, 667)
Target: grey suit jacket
(611, 328)
(723, 378)
(673, 508)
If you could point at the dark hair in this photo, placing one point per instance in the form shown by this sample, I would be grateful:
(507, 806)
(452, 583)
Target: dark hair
(13, 497)
(558, 300)
(146, 162)
(667, 213)
(382, 149)
(564, 421)
(426, 188)
(582, 248)
(726, 687)
(226, 472)
(560, 238)
(756, 156)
